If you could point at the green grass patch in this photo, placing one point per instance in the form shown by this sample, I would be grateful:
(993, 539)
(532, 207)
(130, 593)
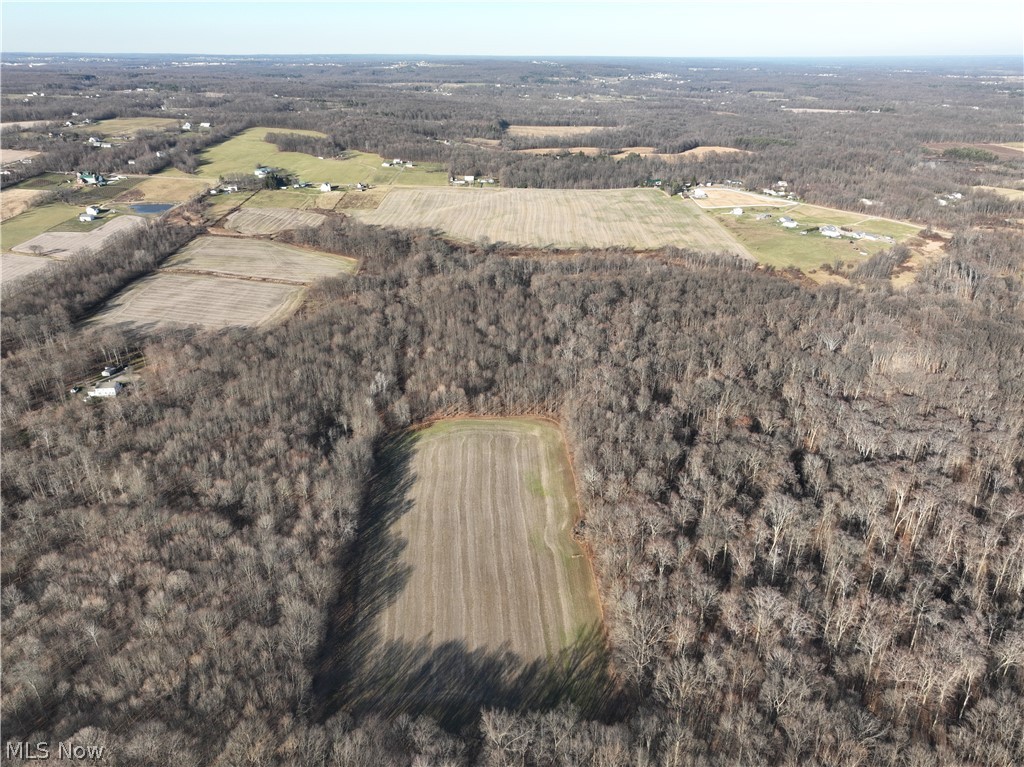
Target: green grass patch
(74, 225)
(36, 221)
(244, 152)
(300, 199)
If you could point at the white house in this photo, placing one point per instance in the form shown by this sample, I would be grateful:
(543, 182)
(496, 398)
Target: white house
(737, 211)
(86, 218)
(788, 222)
(262, 172)
(186, 126)
(92, 210)
(204, 125)
(469, 179)
(111, 389)
(699, 194)
(325, 187)
(828, 230)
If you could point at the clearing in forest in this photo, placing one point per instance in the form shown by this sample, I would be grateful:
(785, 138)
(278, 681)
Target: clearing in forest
(260, 259)
(10, 156)
(472, 589)
(241, 154)
(697, 153)
(642, 219)
(549, 131)
(167, 299)
(270, 220)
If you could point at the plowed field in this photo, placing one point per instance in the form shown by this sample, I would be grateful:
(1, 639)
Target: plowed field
(271, 220)
(492, 561)
(165, 298)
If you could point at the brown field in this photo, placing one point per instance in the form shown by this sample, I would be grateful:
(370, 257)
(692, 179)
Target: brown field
(9, 156)
(24, 124)
(368, 200)
(471, 573)
(1012, 194)
(270, 220)
(633, 218)
(13, 266)
(328, 200)
(737, 198)
(168, 299)
(165, 189)
(548, 131)
(589, 151)
(692, 154)
(15, 201)
(67, 244)
(1002, 151)
(260, 259)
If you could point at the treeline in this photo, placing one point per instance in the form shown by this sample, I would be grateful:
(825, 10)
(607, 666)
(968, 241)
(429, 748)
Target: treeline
(317, 146)
(806, 506)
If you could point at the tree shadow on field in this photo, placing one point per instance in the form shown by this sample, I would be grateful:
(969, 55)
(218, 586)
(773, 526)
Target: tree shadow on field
(361, 674)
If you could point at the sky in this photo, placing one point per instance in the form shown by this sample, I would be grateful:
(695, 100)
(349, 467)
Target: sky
(671, 28)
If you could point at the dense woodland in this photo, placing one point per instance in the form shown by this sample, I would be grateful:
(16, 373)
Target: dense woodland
(805, 505)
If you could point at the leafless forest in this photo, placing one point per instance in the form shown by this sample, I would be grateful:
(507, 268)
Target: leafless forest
(805, 504)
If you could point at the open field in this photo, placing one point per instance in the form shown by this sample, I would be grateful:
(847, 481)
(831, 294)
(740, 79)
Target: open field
(164, 189)
(721, 197)
(129, 126)
(242, 153)
(1002, 151)
(9, 156)
(1012, 194)
(67, 244)
(270, 220)
(35, 222)
(13, 266)
(16, 201)
(772, 244)
(547, 131)
(633, 218)
(168, 299)
(471, 574)
(24, 124)
(589, 151)
(263, 259)
(692, 154)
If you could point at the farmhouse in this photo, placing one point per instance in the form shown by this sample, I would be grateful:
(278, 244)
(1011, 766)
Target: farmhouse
(262, 172)
(788, 222)
(737, 211)
(828, 230)
(91, 178)
(325, 187)
(92, 210)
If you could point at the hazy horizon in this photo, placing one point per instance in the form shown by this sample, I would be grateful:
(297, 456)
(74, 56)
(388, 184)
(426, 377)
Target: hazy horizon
(753, 29)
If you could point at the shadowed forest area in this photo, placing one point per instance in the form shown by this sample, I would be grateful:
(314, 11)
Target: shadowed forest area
(805, 504)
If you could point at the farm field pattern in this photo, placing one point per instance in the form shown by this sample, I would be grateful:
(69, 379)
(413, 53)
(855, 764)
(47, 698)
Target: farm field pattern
(235, 256)
(167, 299)
(633, 218)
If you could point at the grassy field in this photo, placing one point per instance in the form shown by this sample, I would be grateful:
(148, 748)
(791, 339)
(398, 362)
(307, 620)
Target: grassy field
(783, 248)
(34, 222)
(65, 244)
(242, 153)
(1012, 194)
(477, 517)
(168, 299)
(547, 131)
(633, 218)
(164, 189)
(238, 257)
(270, 220)
(298, 199)
(129, 126)
(13, 266)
